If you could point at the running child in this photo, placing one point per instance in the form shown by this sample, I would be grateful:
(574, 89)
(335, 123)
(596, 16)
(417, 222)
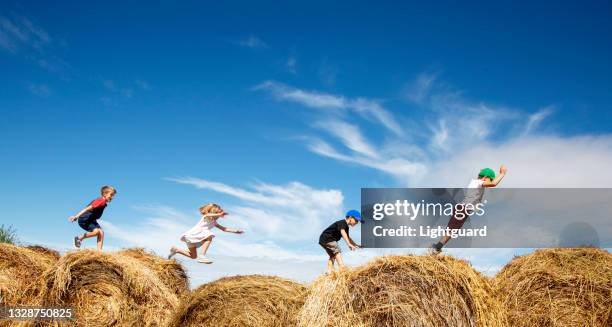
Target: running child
(201, 235)
(331, 235)
(88, 217)
(473, 195)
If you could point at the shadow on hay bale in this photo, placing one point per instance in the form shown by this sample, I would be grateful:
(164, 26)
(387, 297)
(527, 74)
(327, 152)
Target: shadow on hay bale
(254, 300)
(20, 270)
(558, 287)
(171, 272)
(108, 289)
(403, 291)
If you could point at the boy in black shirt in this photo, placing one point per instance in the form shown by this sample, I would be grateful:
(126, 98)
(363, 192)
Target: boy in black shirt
(332, 234)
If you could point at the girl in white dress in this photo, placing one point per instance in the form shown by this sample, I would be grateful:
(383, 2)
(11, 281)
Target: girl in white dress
(201, 234)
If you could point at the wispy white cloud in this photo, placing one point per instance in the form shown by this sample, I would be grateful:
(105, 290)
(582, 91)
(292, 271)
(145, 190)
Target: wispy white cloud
(42, 90)
(143, 85)
(364, 154)
(109, 85)
(367, 108)
(327, 73)
(419, 90)
(350, 135)
(533, 161)
(116, 92)
(291, 65)
(20, 36)
(281, 224)
(20, 33)
(445, 133)
(306, 98)
(290, 212)
(251, 42)
(536, 118)
(128, 93)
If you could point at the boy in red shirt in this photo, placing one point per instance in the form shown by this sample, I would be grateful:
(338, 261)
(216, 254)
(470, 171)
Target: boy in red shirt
(88, 217)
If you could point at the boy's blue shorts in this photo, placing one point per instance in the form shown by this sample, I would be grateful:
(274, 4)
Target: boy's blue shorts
(89, 225)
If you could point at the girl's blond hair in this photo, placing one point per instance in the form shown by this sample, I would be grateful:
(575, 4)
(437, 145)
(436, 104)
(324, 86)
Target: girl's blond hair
(210, 208)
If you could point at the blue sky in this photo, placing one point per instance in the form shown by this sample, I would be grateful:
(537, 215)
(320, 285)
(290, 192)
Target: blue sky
(282, 112)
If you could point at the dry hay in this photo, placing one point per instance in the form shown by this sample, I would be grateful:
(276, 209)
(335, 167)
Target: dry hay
(558, 287)
(20, 270)
(403, 291)
(240, 301)
(44, 250)
(170, 272)
(108, 289)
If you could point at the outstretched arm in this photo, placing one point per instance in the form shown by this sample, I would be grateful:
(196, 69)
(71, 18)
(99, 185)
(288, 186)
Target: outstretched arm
(498, 178)
(216, 215)
(75, 217)
(228, 230)
(349, 241)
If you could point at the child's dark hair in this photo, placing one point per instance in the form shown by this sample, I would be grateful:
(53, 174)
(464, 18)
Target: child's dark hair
(108, 189)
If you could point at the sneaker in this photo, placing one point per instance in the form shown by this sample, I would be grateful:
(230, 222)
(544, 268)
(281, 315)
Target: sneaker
(435, 249)
(204, 260)
(77, 242)
(172, 252)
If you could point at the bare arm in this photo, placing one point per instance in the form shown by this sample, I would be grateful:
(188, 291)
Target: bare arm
(349, 241)
(228, 230)
(216, 215)
(75, 217)
(498, 178)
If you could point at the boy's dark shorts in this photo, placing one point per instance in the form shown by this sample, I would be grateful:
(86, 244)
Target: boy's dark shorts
(332, 248)
(456, 223)
(89, 225)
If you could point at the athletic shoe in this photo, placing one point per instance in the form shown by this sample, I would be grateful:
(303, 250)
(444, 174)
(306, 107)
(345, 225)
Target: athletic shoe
(204, 260)
(435, 249)
(172, 252)
(77, 242)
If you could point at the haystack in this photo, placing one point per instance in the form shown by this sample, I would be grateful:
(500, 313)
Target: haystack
(403, 291)
(171, 272)
(242, 301)
(20, 270)
(108, 289)
(558, 287)
(53, 254)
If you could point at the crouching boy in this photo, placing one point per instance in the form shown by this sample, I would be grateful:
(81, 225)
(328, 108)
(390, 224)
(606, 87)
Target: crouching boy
(331, 235)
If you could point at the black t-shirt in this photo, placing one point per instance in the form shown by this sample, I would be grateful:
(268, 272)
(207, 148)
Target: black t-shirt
(332, 233)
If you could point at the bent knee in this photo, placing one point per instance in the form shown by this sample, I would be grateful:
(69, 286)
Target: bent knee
(99, 231)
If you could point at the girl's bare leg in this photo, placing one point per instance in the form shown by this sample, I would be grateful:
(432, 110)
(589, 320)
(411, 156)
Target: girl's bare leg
(192, 253)
(206, 244)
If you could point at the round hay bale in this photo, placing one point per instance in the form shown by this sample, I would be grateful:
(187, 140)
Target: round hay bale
(20, 270)
(108, 289)
(254, 300)
(403, 291)
(44, 250)
(171, 272)
(557, 287)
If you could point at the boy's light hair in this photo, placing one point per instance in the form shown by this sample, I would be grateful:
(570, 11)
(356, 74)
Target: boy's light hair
(210, 208)
(108, 189)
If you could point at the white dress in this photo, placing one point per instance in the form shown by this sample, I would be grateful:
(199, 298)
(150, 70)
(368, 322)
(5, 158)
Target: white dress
(201, 231)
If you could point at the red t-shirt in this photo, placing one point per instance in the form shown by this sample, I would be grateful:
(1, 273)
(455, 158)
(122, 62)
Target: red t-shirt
(99, 202)
(97, 209)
